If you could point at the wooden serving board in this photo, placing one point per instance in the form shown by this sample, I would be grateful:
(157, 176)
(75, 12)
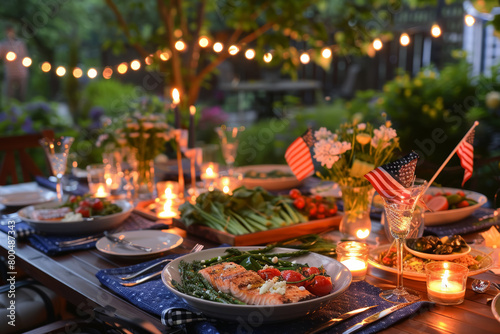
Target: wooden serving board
(264, 237)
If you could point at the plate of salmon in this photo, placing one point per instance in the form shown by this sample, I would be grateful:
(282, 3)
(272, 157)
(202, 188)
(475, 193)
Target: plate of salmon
(275, 285)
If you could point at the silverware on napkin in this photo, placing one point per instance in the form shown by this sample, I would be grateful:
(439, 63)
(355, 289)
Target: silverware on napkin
(127, 243)
(340, 318)
(375, 317)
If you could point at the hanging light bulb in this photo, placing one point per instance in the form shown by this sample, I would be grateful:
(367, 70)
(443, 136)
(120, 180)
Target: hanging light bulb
(305, 58)
(92, 73)
(435, 31)
(469, 20)
(77, 72)
(135, 65)
(180, 46)
(122, 68)
(10, 56)
(149, 60)
(27, 61)
(326, 53)
(107, 73)
(404, 39)
(46, 66)
(250, 54)
(268, 57)
(233, 49)
(218, 47)
(60, 71)
(377, 44)
(203, 42)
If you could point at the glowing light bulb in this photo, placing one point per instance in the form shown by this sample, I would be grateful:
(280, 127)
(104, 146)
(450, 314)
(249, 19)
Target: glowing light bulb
(46, 66)
(435, 31)
(148, 60)
(122, 68)
(77, 72)
(218, 47)
(180, 46)
(203, 42)
(10, 56)
(326, 53)
(107, 73)
(305, 58)
(268, 57)
(60, 71)
(377, 44)
(92, 73)
(233, 49)
(27, 61)
(404, 39)
(469, 20)
(250, 54)
(135, 65)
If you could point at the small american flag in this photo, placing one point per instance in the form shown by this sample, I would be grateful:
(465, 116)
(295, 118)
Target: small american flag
(298, 156)
(392, 179)
(466, 154)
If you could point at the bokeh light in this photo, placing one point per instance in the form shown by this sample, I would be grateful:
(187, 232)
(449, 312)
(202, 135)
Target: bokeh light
(77, 72)
(46, 66)
(60, 71)
(404, 39)
(27, 61)
(250, 54)
(377, 44)
(326, 53)
(92, 73)
(305, 58)
(218, 47)
(122, 68)
(135, 65)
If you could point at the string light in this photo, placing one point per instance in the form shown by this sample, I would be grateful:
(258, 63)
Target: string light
(250, 54)
(92, 73)
(404, 39)
(377, 44)
(77, 72)
(122, 68)
(469, 20)
(268, 57)
(107, 73)
(203, 42)
(435, 31)
(149, 60)
(27, 61)
(326, 53)
(304, 58)
(60, 71)
(218, 47)
(135, 65)
(180, 46)
(233, 49)
(46, 66)
(178, 33)
(10, 56)
(165, 56)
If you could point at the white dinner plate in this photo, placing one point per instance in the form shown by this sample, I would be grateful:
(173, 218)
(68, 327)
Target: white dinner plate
(327, 189)
(24, 198)
(453, 215)
(439, 257)
(341, 279)
(85, 226)
(159, 241)
(486, 264)
(495, 307)
(269, 183)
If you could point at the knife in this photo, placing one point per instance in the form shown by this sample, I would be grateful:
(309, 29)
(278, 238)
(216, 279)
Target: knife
(375, 317)
(126, 242)
(340, 318)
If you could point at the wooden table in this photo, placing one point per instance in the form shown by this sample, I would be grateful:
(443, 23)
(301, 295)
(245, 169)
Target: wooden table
(72, 275)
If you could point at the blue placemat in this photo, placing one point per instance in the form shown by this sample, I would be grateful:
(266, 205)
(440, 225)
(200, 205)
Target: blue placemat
(464, 226)
(81, 189)
(154, 297)
(47, 243)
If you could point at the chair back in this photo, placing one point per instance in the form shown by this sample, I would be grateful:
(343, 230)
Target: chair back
(16, 158)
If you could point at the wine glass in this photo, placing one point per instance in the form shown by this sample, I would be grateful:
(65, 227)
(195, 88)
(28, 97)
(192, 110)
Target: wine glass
(57, 150)
(229, 143)
(399, 213)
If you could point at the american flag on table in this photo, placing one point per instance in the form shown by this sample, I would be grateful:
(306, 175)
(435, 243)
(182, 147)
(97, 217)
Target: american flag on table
(466, 154)
(298, 156)
(392, 179)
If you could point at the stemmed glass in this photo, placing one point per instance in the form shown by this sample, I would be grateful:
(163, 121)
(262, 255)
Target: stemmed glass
(57, 150)
(399, 213)
(229, 138)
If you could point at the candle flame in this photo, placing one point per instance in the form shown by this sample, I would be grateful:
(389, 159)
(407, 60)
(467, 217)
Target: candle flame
(444, 280)
(361, 234)
(226, 190)
(192, 110)
(210, 171)
(176, 96)
(109, 181)
(101, 192)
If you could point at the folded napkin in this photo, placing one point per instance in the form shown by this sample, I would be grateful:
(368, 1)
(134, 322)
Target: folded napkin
(46, 183)
(48, 243)
(154, 297)
(464, 226)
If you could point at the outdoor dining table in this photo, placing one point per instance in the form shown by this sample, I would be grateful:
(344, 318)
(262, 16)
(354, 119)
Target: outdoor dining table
(73, 275)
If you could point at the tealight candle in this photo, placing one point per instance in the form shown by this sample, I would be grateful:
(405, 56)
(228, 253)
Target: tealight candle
(354, 255)
(98, 186)
(209, 172)
(167, 189)
(99, 190)
(446, 282)
(227, 183)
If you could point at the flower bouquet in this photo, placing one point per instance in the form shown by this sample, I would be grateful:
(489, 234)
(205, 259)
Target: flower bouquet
(355, 149)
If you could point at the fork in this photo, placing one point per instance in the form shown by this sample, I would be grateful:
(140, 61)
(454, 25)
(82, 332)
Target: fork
(196, 248)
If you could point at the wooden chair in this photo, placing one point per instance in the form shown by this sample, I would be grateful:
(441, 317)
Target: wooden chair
(14, 146)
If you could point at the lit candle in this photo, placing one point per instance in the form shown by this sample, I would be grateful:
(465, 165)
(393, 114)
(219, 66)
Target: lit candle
(100, 190)
(209, 171)
(176, 100)
(446, 282)
(356, 267)
(192, 112)
(354, 255)
(168, 210)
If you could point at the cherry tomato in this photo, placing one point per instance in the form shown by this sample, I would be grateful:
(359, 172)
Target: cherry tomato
(299, 203)
(268, 273)
(294, 193)
(461, 193)
(313, 211)
(85, 203)
(321, 208)
(463, 204)
(311, 271)
(320, 285)
(84, 211)
(74, 198)
(333, 210)
(293, 276)
(97, 205)
(318, 198)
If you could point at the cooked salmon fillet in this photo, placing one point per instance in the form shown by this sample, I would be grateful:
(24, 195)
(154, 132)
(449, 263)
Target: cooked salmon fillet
(245, 285)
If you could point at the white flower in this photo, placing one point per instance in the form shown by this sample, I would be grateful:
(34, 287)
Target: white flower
(361, 126)
(383, 135)
(328, 152)
(147, 126)
(134, 135)
(322, 133)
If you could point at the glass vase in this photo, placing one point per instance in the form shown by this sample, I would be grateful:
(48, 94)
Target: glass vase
(356, 223)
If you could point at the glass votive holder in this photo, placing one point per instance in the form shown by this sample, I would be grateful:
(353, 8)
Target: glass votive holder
(227, 182)
(354, 255)
(167, 189)
(97, 180)
(209, 174)
(112, 177)
(167, 208)
(446, 282)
